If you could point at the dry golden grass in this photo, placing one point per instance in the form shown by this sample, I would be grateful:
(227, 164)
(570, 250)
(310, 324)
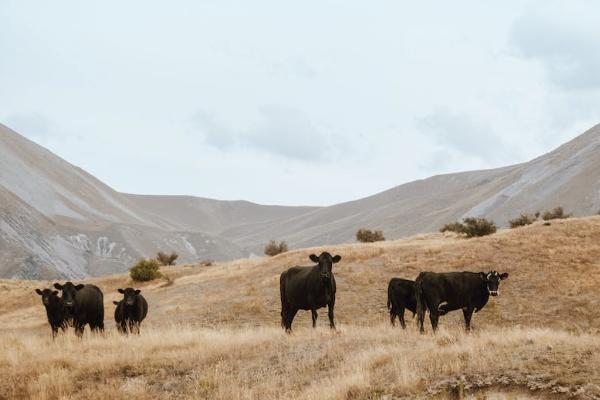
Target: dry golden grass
(213, 332)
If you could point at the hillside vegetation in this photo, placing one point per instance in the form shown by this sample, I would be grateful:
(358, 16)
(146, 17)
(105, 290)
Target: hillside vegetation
(213, 331)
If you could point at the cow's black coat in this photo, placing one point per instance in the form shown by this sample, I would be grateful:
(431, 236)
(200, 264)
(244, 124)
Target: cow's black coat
(55, 310)
(441, 293)
(308, 288)
(130, 311)
(84, 304)
(401, 295)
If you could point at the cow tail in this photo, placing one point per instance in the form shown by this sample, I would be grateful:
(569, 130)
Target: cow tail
(283, 301)
(421, 306)
(389, 302)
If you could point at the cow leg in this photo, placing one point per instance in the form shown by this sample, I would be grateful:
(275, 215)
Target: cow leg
(54, 331)
(330, 314)
(314, 317)
(401, 317)
(421, 320)
(433, 317)
(393, 316)
(79, 327)
(290, 318)
(468, 313)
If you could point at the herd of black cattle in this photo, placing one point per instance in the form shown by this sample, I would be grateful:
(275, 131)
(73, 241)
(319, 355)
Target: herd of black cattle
(301, 288)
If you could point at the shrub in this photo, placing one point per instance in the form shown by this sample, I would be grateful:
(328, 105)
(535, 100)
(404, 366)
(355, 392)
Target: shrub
(478, 227)
(471, 227)
(167, 259)
(522, 220)
(453, 227)
(206, 263)
(273, 248)
(145, 270)
(369, 236)
(557, 213)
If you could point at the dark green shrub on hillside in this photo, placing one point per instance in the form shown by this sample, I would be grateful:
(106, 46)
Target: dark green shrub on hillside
(145, 270)
(471, 227)
(369, 236)
(522, 220)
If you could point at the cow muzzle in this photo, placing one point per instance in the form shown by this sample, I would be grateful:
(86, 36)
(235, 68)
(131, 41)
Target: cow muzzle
(68, 304)
(493, 293)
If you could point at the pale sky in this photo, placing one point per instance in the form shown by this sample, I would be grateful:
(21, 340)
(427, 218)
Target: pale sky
(280, 102)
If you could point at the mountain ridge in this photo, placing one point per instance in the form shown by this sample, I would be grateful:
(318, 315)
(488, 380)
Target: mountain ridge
(57, 220)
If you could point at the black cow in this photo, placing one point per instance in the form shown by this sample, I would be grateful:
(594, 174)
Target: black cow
(441, 293)
(119, 319)
(401, 295)
(130, 311)
(84, 304)
(308, 288)
(55, 310)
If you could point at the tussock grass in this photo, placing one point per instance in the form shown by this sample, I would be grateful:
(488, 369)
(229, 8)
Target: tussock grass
(214, 332)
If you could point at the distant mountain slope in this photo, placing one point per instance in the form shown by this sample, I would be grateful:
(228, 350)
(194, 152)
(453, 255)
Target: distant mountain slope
(568, 176)
(56, 220)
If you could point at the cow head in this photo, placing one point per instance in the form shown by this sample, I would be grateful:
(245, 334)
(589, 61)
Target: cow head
(129, 295)
(325, 261)
(68, 292)
(48, 296)
(492, 280)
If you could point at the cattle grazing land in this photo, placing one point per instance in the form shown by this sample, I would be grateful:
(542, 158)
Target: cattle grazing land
(214, 332)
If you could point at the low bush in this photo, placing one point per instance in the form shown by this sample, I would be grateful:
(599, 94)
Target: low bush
(369, 236)
(522, 220)
(145, 270)
(273, 248)
(167, 259)
(556, 213)
(471, 227)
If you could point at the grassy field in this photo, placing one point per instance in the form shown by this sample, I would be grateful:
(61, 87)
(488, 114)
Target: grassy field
(213, 332)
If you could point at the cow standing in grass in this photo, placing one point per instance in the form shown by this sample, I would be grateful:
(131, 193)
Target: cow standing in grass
(130, 311)
(84, 304)
(55, 311)
(401, 295)
(441, 293)
(308, 288)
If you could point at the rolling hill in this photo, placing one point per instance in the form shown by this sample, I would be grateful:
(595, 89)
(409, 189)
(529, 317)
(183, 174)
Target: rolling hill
(58, 221)
(213, 332)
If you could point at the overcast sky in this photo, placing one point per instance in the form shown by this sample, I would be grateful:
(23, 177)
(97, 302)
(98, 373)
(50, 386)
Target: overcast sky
(311, 102)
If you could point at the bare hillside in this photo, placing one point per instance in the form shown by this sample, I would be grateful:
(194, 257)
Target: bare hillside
(213, 332)
(56, 220)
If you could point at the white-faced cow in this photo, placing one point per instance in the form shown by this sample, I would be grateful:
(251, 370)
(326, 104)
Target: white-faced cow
(441, 293)
(308, 288)
(55, 310)
(84, 304)
(401, 295)
(130, 311)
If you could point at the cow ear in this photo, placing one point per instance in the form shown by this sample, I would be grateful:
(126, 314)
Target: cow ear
(58, 286)
(137, 291)
(314, 258)
(120, 290)
(116, 303)
(55, 292)
(483, 276)
(38, 291)
(79, 287)
(504, 276)
(336, 259)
